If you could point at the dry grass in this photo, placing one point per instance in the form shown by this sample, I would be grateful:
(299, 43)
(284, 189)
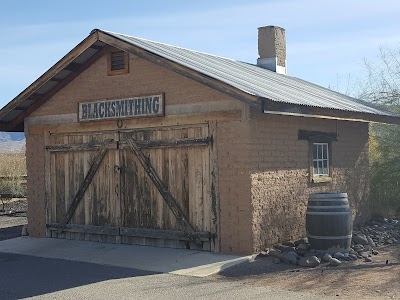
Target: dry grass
(12, 170)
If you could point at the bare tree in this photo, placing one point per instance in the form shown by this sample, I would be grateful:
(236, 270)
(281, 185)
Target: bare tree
(382, 87)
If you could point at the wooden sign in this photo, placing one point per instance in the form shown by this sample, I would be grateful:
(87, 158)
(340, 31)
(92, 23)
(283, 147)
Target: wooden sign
(146, 106)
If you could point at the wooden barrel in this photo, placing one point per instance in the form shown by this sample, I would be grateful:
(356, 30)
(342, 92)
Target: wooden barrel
(329, 222)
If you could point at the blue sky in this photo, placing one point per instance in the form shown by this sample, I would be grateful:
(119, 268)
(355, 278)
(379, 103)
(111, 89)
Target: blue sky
(326, 40)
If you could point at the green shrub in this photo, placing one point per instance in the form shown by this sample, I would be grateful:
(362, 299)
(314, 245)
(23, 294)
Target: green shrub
(385, 170)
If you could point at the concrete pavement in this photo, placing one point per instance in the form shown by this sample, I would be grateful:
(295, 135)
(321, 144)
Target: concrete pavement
(153, 259)
(31, 277)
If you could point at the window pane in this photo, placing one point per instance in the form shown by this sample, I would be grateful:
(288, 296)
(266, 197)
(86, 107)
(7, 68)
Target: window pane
(325, 168)
(325, 151)
(320, 157)
(325, 163)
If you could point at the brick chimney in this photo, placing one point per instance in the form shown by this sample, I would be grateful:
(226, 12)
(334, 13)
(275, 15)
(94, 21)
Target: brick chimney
(272, 49)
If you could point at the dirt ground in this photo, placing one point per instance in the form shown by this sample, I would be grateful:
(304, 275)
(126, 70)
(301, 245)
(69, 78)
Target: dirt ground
(379, 279)
(12, 219)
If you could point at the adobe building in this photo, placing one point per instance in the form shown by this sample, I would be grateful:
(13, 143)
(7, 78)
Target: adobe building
(138, 142)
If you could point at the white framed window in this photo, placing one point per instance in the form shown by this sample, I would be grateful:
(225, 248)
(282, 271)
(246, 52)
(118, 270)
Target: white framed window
(320, 158)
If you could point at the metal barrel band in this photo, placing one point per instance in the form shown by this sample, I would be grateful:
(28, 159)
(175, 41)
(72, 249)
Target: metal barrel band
(329, 207)
(319, 237)
(329, 200)
(328, 213)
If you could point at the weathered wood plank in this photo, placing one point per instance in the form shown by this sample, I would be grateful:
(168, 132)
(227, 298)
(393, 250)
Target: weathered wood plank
(90, 146)
(47, 162)
(123, 143)
(206, 205)
(214, 178)
(171, 143)
(87, 229)
(150, 123)
(192, 193)
(76, 176)
(66, 198)
(59, 182)
(317, 135)
(88, 178)
(156, 196)
(89, 191)
(52, 186)
(116, 207)
(169, 199)
(163, 234)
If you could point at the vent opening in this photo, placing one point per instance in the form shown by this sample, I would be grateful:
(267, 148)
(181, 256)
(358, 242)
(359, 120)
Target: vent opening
(118, 63)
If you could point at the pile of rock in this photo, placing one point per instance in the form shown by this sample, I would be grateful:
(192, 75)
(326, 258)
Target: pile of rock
(366, 239)
(380, 231)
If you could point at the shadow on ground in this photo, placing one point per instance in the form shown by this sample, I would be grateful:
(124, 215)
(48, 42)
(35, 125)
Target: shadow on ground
(257, 267)
(265, 266)
(24, 276)
(10, 232)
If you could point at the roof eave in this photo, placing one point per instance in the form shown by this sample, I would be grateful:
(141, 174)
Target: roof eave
(273, 107)
(17, 123)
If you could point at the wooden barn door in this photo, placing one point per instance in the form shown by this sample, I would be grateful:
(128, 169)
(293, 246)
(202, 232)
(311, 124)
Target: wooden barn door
(147, 187)
(70, 162)
(177, 212)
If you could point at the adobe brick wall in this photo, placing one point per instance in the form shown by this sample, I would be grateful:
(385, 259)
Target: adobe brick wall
(144, 78)
(234, 187)
(280, 173)
(36, 191)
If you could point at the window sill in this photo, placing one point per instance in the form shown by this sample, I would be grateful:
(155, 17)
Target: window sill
(321, 179)
(117, 72)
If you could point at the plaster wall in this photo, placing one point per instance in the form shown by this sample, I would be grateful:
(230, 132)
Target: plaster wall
(279, 174)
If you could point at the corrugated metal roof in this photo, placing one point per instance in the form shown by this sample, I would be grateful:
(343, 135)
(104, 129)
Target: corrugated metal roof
(255, 80)
(246, 77)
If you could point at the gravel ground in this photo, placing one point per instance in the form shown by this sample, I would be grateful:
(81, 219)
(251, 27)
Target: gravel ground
(13, 218)
(14, 205)
(379, 279)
